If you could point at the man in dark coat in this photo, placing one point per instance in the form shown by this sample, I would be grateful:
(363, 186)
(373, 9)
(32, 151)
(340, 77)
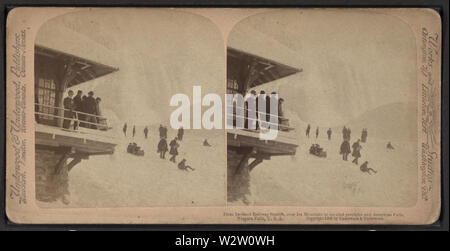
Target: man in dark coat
(83, 110)
(161, 132)
(162, 148)
(329, 133)
(356, 151)
(77, 108)
(250, 121)
(173, 149)
(146, 132)
(91, 107)
(68, 109)
(260, 99)
(345, 149)
(308, 129)
(180, 133)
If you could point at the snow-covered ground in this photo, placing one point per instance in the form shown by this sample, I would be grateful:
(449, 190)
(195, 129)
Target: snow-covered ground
(125, 180)
(306, 180)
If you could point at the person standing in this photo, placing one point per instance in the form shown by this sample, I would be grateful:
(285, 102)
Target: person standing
(308, 129)
(180, 133)
(329, 133)
(78, 108)
(125, 126)
(68, 109)
(162, 148)
(173, 149)
(161, 131)
(364, 135)
(345, 150)
(84, 111)
(100, 120)
(356, 151)
(317, 132)
(134, 130)
(91, 106)
(261, 99)
(146, 132)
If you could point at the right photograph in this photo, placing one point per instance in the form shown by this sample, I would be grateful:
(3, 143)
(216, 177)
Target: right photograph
(340, 89)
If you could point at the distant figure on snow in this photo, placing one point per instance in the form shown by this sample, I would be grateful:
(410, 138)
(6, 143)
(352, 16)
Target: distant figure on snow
(345, 149)
(146, 132)
(317, 132)
(180, 133)
(162, 132)
(346, 133)
(182, 166)
(162, 148)
(125, 129)
(389, 146)
(173, 149)
(329, 133)
(308, 129)
(205, 143)
(134, 130)
(356, 151)
(366, 169)
(364, 135)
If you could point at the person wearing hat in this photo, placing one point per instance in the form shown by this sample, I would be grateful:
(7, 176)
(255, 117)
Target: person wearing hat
(68, 109)
(100, 120)
(77, 108)
(173, 149)
(91, 107)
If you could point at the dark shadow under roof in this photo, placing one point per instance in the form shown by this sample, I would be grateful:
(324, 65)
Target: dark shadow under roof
(85, 69)
(268, 70)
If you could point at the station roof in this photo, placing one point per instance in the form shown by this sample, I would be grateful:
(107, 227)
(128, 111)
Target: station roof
(85, 69)
(268, 70)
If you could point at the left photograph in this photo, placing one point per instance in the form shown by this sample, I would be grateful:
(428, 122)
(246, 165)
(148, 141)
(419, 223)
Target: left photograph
(104, 80)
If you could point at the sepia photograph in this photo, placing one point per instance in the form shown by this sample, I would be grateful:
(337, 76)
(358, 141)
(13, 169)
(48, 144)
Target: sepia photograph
(102, 92)
(347, 109)
(264, 116)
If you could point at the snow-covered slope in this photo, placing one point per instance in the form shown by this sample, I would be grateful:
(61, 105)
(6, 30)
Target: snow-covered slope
(125, 180)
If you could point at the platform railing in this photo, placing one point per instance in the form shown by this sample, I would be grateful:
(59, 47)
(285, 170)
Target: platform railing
(74, 117)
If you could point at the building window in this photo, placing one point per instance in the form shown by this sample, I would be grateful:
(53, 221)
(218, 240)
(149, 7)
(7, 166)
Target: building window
(232, 86)
(46, 98)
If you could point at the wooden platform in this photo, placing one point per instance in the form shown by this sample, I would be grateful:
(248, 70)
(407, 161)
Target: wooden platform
(88, 141)
(285, 143)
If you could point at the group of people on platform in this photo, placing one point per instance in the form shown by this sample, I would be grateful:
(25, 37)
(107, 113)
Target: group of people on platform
(266, 98)
(83, 110)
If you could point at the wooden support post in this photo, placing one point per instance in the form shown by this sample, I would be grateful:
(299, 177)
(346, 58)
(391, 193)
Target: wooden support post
(62, 160)
(244, 161)
(72, 163)
(254, 163)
